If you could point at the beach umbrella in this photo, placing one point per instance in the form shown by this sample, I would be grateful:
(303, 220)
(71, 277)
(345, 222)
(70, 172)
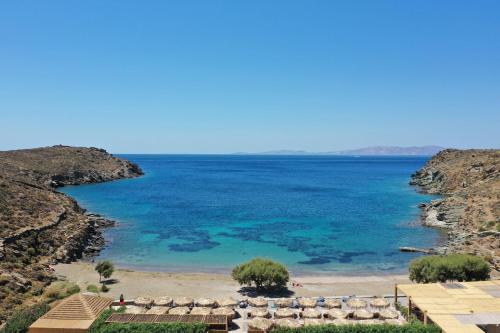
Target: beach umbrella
(183, 301)
(333, 303)
(284, 313)
(337, 314)
(288, 323)
(182, 310)
(259, 312)
(132, 309)
(143, 301)
(201, 311)
(356, 303)
(388, 314)
(227, 302)
(258, 302)
(225, 311)
(205, 302)
(363, 314)
(308, 302)
(157, 310)
(379, 303)
(395, 321)
(341, 321)
(313, 322)
(283, 302)
(262, 324)
(311, 313)
(371, 322)
(163, 301)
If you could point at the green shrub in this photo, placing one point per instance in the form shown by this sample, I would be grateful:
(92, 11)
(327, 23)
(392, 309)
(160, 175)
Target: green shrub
(92, 288)
(409, 328)
(60, 290)
(153, 328)
(264, 273)
(455, 267)
(104, 288)
(404, 311)
(20, 321)
(100, 321)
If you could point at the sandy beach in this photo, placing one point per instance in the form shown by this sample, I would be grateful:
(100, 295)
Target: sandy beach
(137, 283)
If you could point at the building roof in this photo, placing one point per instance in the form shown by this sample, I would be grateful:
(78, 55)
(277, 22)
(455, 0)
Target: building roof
(75, 313)
(457, 307)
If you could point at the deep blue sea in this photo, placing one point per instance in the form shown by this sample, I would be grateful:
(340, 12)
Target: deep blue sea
(316, 214)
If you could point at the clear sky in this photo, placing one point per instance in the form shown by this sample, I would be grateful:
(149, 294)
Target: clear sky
(228, 76)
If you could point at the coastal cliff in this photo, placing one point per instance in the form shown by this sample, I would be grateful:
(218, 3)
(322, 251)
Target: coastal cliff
(469, 207)
(39, 225)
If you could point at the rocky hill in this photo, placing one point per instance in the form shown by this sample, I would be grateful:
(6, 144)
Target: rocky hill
(39, 225)
(469, 182)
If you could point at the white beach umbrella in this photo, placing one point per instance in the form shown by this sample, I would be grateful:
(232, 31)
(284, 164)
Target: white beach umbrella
(258, 302)
(259, 312)
(260, 323)
(287, 322)
(284, 313)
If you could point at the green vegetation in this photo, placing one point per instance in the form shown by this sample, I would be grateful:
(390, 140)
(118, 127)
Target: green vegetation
(154, 328)
(264, 273)
(105, 269)
(20, 321)
(92, 288)
(410, 328)
(454, 267)
(99, 326)
(404, 311)
(104, 288)
(60, 290)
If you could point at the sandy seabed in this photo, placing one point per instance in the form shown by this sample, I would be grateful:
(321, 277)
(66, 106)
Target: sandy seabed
(139, 283)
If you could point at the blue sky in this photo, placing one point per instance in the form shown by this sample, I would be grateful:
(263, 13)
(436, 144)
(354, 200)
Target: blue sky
(227, 76)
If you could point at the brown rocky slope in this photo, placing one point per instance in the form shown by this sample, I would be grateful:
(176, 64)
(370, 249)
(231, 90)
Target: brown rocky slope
(469, 208)
(39, 225)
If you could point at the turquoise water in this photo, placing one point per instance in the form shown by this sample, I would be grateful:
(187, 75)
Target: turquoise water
(318, 214)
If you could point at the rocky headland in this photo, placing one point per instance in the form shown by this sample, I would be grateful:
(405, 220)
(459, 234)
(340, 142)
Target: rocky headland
(40, 226)
(468, 182)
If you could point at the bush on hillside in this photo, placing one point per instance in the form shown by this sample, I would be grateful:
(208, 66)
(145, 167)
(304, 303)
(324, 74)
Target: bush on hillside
(454, 267)
(263, 273)
(92, 288)
(409, 328)
(20, 321)
(60, 290)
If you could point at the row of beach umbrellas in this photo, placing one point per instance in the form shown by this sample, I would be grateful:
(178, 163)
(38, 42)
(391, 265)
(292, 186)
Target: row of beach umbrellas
(258, 302)
(265, 324)
(311, 313)
(185, 302)
(307, 302)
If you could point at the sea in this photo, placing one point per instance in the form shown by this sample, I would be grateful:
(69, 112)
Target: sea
(342, 215)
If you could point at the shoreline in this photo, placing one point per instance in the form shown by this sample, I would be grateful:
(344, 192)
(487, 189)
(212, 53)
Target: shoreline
(132, 283)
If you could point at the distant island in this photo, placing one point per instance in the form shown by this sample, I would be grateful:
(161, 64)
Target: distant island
(368, 151)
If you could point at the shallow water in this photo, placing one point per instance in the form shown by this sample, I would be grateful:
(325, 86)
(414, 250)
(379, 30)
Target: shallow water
(316, 214)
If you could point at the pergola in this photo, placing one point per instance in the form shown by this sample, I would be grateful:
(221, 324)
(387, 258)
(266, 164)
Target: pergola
(456, 307)
(75, 314)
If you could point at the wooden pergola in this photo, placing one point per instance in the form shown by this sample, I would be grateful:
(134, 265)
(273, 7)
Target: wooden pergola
(75, 314)
(456, 307)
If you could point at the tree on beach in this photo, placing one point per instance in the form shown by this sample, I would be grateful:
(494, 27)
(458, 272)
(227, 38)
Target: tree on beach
(263, 273)
(105, 269)
(454, 267)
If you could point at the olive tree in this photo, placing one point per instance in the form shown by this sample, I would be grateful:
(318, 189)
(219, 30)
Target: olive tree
(105, 269)
(263, 273)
